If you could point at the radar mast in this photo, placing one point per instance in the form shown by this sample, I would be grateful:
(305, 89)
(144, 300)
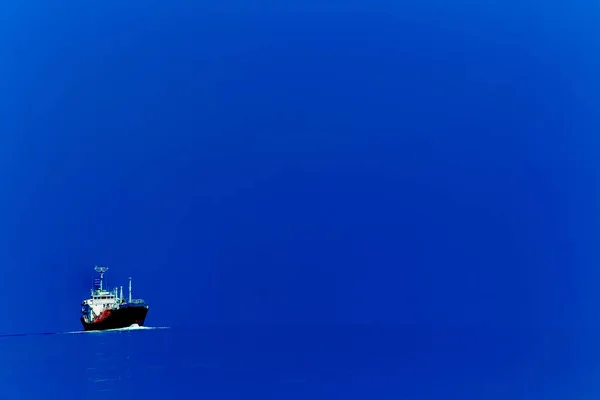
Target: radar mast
(101, 270)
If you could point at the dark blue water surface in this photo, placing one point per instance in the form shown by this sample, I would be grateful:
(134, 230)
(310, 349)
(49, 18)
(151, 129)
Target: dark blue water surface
(298, 362)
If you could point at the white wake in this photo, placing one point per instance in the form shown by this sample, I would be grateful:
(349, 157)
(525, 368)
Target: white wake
(134, 327)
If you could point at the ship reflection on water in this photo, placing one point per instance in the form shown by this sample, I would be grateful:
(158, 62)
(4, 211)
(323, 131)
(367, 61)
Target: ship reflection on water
(110, 365)
(115, 367)
(82, 364)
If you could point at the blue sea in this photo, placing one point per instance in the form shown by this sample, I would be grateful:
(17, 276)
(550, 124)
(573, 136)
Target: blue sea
(298, 362)
(318, 199)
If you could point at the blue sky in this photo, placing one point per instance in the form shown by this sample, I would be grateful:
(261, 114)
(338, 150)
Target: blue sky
(306, 162)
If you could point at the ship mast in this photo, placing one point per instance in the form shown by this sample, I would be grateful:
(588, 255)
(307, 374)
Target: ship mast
(101, 271)
(129, 290)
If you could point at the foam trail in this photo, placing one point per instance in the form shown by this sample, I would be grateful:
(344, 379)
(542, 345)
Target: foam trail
(133, 327)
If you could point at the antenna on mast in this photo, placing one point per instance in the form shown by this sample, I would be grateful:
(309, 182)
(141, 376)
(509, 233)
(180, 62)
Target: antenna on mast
(101, 270)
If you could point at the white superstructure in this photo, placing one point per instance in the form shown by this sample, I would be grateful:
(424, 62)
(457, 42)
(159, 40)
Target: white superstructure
(100, 299)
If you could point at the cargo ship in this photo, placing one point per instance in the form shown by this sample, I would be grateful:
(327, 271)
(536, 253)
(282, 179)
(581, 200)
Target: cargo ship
(108, 309)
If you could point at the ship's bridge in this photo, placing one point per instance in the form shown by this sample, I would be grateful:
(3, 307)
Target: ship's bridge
(103, 298)
(102, 295)
(99, 301)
